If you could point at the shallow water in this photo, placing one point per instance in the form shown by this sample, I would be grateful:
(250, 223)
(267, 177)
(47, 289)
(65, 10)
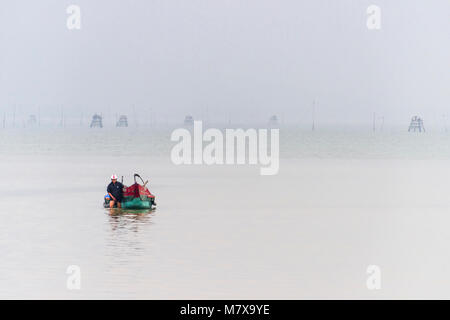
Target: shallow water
(341, 201)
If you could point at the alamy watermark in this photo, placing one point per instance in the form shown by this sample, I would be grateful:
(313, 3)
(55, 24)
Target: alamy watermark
(373, 282)
(74, 18)
(374, 17)
(236, 146)
(74, 279)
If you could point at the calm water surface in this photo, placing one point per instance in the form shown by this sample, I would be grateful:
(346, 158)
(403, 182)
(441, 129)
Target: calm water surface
(341, 201)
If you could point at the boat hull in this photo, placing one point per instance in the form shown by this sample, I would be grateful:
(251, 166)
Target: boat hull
(134, 203)
(137, 203)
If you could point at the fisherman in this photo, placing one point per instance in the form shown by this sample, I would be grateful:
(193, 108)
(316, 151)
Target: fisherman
(115, 191)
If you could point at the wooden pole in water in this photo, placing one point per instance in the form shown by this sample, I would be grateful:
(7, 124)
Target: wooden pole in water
(14, 117)
(61, 121)
(150, 117)
(373, 125)
(313, 115)
(134, 116)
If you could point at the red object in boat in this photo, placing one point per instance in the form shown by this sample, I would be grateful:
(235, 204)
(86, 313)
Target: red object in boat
(137, 191)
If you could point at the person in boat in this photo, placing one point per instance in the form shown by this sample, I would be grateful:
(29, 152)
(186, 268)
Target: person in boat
(115, 191)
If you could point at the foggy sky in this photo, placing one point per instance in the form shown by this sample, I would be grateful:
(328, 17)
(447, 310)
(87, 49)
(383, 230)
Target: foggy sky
(238, 59)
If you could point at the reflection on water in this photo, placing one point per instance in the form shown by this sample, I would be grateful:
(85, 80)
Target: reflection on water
(128, 241)
(225, 231)
(130, 220)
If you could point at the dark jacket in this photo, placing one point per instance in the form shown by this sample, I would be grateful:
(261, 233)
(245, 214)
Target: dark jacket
(116, 189)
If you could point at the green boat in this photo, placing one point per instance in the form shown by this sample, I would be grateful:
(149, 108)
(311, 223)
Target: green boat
(136, 196)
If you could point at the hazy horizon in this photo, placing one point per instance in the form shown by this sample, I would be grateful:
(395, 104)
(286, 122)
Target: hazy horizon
(220, 60)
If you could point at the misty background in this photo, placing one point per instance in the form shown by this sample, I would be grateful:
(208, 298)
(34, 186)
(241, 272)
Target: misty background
(237, 61)
(345, 197)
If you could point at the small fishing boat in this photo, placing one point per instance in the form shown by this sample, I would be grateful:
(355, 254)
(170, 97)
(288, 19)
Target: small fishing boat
(136, 196)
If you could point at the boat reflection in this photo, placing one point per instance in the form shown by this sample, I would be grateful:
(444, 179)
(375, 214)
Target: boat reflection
(128, 239)
(129, 219)
(130, 212)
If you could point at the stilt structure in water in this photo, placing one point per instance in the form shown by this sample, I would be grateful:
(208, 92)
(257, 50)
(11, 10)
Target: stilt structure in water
(416, 125)
(188, 121)
(273, 121)
(122, 122)
(32, 121)
(97, 121)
